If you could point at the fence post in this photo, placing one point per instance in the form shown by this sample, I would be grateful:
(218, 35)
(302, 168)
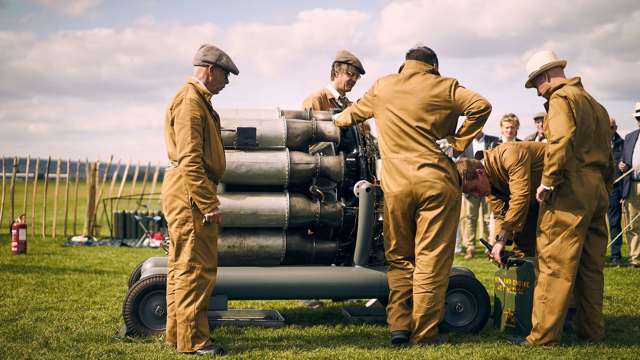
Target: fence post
(44, 203)
(154, 182)
(26, 186)
(56, 191)
(122, 182)
(100, 192)
(66, 199)
(4, 188)
(36, 175)
(12, 190)
(91, 199)
(136, 173)
(75, 197)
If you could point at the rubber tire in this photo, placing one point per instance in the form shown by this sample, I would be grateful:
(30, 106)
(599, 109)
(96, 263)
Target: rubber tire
(132, 302)
(461, 270)
(135, 275)
(473, 290)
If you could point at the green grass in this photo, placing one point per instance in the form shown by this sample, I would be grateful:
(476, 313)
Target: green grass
(65, 303)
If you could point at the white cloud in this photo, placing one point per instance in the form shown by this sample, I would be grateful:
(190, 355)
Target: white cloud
(105, 90)
(72, 8)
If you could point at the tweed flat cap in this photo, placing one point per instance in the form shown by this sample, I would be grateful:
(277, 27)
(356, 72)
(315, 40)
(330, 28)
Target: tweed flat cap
(346, 57)
(208, 54)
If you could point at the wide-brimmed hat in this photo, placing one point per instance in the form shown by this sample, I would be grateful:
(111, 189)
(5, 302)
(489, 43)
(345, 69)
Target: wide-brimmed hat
(636, 113)
(541, 62)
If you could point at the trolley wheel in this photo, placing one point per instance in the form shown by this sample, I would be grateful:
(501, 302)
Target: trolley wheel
(467, 305)
(145, 306)
(461, 270)
(135, 275)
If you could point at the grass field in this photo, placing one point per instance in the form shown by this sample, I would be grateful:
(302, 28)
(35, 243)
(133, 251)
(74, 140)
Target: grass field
(65, 303)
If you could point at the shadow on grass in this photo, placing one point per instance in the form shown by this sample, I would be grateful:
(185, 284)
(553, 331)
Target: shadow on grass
(49, 270)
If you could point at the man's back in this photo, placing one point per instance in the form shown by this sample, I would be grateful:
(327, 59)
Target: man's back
(413, 110)
(587, 130)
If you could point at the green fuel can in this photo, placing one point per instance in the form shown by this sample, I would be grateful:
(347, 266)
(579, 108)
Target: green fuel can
(513, 296)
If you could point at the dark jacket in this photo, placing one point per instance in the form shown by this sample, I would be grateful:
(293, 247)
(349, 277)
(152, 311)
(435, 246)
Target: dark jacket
(489, 143)
(627, 157)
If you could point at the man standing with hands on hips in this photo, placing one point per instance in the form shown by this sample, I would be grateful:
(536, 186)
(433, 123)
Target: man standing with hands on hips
(576, 179)
(190, 202)
(416, 113)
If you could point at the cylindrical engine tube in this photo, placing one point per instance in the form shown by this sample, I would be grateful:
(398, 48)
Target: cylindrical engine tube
(280, 167)
(280, 133)
(280, 210)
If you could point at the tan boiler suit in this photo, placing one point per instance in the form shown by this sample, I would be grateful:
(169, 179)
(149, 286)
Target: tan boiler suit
(421, 186)
(572, 239)
(514, 170)
(324, 100)
(194, 146)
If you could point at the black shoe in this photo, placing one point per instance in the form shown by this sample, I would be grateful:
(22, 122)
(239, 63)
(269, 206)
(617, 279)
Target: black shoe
(616, 262)
(211, 350)
(400, 337)
(518, 340)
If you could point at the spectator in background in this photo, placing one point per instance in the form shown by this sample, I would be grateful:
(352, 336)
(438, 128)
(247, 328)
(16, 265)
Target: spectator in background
(615, 197)
(509, 125)
(474, 207)
(538, 136)
(631, 188)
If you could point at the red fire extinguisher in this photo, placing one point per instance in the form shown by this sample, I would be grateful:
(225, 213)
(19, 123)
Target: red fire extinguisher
(19, 236)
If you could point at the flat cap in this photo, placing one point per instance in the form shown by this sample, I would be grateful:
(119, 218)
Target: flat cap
(208, 54)
(539, 115)
(345, 57)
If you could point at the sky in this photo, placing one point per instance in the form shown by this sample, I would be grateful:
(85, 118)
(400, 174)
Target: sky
(91, 78)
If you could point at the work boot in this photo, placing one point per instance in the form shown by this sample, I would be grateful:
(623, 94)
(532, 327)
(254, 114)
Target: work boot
(438, 340)
(469, 254)
(400, 337)
(211, 350)
(518, 340)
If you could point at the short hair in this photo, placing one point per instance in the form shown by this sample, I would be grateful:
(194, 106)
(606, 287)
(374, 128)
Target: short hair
(467, 168)
(340, 67)
(510, 118)
(424, 54)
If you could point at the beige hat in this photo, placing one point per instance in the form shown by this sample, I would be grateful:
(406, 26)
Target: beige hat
(637, 112)
(345, 57)
(539, 115)
(211, 55)
(541, 62)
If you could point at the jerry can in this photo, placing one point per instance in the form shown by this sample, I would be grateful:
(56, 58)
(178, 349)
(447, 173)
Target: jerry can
(513, 296)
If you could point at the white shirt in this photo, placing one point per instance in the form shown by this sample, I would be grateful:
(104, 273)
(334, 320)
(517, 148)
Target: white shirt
(477, 145)
(635, 160)
(336, 94)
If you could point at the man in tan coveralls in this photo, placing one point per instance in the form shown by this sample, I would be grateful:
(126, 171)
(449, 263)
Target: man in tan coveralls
(416, 114)
(346, 69)
(190, 203)
(509, 175)
(577, 175)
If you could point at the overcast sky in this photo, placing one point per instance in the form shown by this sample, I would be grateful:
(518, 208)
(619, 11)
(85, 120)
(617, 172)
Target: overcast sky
(89, 78)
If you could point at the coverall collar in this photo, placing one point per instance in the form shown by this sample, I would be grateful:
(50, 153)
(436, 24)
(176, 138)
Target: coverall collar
(415, 66)
(574, 81)
(200, 86)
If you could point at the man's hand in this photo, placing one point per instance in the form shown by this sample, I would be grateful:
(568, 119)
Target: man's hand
(542, 194)
(214, 216)
(445, 147)
(622, 166)
(495, 252)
